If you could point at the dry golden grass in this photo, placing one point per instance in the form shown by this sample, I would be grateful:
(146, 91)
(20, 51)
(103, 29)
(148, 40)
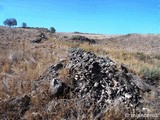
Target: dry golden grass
(64, 75)
(24, 61)
(135, 62)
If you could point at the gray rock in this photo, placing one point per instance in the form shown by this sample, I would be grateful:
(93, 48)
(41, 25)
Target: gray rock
(102, 75)
(39, 38)
(96, 84)
(127, 96)
(59, 89)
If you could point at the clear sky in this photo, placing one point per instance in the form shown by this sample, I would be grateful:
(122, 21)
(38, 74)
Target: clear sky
(91, 16)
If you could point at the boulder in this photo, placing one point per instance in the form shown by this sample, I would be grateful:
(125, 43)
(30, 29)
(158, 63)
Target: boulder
(39, 38)
(59, 89)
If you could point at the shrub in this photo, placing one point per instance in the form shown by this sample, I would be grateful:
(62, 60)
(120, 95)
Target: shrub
(152, 74)
(24, 25)
(76, 32)
(52, 29)
(10, 22)
(141, 56)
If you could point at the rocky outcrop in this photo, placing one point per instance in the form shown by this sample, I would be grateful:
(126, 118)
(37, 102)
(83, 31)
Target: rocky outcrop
(82, 39)
(102, 82)
(39, 38)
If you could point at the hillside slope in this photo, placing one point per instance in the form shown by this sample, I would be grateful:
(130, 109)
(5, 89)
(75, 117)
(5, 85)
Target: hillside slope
(149, 43)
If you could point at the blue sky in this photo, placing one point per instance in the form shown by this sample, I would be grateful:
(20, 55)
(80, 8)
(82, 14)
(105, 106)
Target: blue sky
(91, 16)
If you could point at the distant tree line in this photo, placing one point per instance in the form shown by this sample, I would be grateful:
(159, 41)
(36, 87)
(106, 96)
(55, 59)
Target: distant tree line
(13, 22)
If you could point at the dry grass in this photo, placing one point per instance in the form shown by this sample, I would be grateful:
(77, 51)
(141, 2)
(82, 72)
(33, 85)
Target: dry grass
(23, 62)
(135, 61)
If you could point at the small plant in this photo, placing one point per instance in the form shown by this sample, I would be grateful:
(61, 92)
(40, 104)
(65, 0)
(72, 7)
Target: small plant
(141, 56)
(152, 74)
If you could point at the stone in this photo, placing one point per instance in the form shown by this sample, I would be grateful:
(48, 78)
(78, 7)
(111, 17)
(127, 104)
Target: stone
(127, 96)
(145, 110)
(37, 40)
(104, 82)
(96, 84)
(59, 89)
(95, 80)
(82, 39)
(40, 37)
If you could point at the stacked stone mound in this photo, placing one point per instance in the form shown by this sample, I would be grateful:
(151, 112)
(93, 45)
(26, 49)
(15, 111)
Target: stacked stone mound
(82, 39)
(99, 82)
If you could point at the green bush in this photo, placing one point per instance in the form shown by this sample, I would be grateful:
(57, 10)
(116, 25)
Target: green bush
(52, 29)
(24, 25)
(153, 73)
(141, 56)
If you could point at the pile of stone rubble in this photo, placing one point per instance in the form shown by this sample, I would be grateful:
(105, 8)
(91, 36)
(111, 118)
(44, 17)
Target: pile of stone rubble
(99, 81)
